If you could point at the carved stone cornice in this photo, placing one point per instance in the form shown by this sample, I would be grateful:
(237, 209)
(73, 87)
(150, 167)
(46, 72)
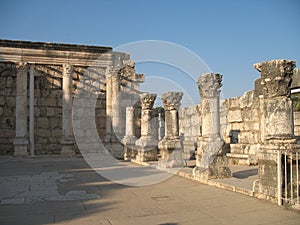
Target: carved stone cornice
(209, 85)
(276, 77)
(147, 100)
(172, 100)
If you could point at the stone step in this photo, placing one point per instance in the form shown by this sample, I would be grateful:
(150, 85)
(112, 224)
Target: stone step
(238, 159)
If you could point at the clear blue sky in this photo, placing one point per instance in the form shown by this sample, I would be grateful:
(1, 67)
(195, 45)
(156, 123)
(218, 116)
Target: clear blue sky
(230, 36)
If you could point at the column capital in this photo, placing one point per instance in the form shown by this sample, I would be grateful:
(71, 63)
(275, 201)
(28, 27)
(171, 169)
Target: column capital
(172, 100)
(22, 66)
(276, 77)
(147, 100)
(67, 70)
(209, 85)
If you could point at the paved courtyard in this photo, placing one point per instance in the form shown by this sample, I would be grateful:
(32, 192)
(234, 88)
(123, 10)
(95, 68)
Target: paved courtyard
(67, 191)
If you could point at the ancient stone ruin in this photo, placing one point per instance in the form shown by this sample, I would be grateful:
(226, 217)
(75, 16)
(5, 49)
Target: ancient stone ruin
(39, 82)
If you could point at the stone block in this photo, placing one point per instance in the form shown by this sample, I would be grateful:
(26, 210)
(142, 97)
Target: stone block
(246, 100)
(248, 137)
(234, 116)
(50, 112)
(233, 103)
(1, 111)
(251, 126)
(56, 133)
(54, 122)
(42, 123)
(251, 115)
(42, 132)
(2, 100)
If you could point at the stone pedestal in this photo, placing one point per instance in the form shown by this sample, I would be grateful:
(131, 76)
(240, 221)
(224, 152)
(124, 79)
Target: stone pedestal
(276, 122)
(211, 161)
(170, 146)
(21, 140)
(147, 144)
(67, 140)
(129, 139)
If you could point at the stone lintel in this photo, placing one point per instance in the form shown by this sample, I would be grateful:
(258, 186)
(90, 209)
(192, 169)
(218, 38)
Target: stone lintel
(54, 54)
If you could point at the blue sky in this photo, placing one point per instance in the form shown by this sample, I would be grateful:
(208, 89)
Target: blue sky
(230, 36)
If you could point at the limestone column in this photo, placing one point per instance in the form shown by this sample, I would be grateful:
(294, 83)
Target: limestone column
(21, 139)
(161, 125)
(67, 130)
(147, 144)
(115, 86)
(108, 73)
(276, 121)
(113, 129)
(129, 138)
(170, 146)
(211, 162)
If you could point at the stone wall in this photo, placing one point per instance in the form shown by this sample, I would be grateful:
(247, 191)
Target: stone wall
(7, 107)
(240, 127)
(297, 124)
(189, 129)
(47, 107)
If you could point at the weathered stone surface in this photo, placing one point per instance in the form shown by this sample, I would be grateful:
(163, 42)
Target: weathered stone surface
(235, 116)
(172, 100)
(147, 144)
(210, 159)
(170, 146)
(276, 77)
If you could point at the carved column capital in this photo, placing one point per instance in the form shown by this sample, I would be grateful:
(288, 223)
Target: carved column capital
(22, 66)
(67, 70)
(209, 85)
(147, 100)
(172, 100)
(276, 77)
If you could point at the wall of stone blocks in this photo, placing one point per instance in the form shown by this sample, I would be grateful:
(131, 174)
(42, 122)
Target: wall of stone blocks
(297, 124)
(7, 107)
(239, 125)
(189, 129)
(47, 107)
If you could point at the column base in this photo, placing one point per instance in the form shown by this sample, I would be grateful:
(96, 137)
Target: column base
(147, 149)
(266, 184)
(211, 161)
(130, 150)
(68, 150)
(218, 169)
(171, 154)
(20, 146)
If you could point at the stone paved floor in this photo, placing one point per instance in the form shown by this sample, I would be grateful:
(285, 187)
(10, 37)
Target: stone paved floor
(68, 191)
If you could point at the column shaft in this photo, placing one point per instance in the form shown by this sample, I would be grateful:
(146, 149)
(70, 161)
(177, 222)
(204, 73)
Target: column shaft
(21, 139)
(67, 129)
